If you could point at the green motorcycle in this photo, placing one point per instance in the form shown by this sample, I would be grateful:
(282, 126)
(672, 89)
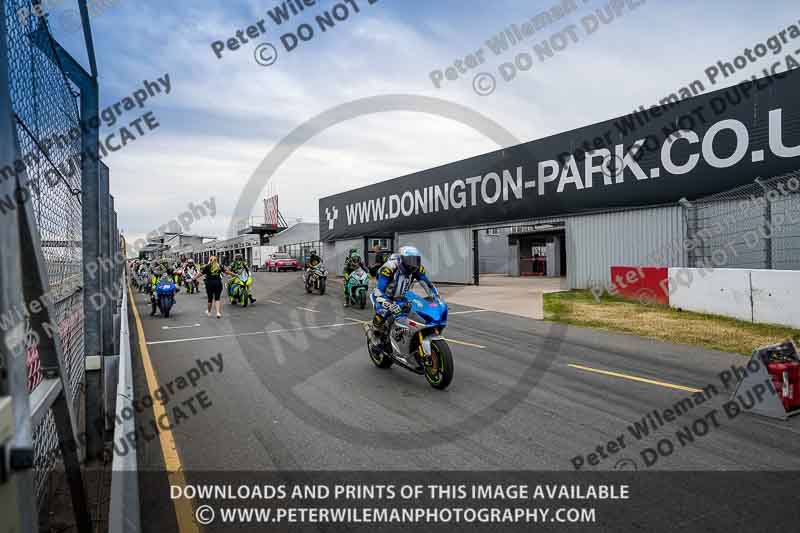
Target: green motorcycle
(356, 288)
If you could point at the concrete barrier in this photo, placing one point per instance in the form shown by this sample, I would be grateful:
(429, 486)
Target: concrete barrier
(721, 291)
(761, 296)
(776, 297)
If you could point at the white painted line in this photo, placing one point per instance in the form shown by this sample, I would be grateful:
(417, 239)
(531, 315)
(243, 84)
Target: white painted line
(309, 310)
(250, 334)
(308, 327)
(274, 302)
(207, 338)
(181, 327)
(469, 312)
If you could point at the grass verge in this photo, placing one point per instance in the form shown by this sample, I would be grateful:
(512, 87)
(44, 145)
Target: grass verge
(580, 308)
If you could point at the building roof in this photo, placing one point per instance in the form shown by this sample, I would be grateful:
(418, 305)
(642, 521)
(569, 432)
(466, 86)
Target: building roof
(299, 232)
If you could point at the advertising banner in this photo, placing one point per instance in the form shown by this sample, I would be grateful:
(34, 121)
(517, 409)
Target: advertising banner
(686, 148)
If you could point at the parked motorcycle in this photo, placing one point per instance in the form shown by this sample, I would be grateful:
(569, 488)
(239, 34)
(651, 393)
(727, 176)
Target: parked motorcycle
(165, 295)
(239, 288)
(414, 340)
(316, 277)
(357, 288)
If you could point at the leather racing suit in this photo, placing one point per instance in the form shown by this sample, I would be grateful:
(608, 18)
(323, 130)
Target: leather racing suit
(391, 287)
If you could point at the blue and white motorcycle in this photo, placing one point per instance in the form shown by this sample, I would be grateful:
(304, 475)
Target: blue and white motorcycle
(165, 294)
(414, 340)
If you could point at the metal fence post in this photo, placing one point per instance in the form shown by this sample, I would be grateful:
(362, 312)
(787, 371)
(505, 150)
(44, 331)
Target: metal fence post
(103, 253)
(90, 186)
(767, 224)
(690, 216)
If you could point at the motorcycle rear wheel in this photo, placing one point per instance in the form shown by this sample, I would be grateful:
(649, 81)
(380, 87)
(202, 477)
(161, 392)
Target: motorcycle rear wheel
(440, 350)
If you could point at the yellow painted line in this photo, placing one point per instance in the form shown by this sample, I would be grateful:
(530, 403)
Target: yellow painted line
(465, 343)
(184, 507)
(636, 378)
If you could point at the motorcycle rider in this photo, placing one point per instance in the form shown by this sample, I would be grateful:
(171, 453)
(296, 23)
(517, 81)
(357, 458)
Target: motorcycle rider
(157, 270)
(190, 271)
(237, 266)
(394, 279)
(178, 267)
(351, 263)
(313, 259)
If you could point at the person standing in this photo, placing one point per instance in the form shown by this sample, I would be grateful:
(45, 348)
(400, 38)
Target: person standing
(212, 272)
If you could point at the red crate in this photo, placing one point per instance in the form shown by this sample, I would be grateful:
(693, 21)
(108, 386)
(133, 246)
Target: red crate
(786, 380)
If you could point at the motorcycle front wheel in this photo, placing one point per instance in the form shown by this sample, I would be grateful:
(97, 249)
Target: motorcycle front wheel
(378, 357)
(245, 297)
(443, 361)
(165, 307)
(321, 287)
(362, 301)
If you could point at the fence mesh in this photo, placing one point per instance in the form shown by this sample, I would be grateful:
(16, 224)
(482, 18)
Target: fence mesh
(753, 226)
(47, 118)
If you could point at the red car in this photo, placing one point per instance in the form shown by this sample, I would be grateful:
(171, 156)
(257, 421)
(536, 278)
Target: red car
(278, 262)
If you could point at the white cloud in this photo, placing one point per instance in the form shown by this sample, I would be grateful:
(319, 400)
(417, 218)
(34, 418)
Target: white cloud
(224, 115)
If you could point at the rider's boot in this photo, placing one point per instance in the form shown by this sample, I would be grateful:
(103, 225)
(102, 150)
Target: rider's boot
(377, 331)
(252, 300)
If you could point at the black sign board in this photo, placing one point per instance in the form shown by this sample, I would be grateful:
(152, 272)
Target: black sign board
(688, 148)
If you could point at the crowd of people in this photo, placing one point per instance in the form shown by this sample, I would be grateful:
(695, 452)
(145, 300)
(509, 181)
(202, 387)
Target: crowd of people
(185, 273)
(394, 276)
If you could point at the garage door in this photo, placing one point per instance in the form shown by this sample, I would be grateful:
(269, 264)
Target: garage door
(446, 254)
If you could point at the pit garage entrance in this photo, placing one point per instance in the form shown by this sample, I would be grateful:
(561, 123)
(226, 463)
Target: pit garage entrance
(536, 250)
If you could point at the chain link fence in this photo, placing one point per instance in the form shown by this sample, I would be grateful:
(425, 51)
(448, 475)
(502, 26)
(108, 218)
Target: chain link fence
(753, 226)
(46, 114)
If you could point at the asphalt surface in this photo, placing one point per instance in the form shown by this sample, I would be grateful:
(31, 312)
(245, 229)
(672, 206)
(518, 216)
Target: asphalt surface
(298, 391)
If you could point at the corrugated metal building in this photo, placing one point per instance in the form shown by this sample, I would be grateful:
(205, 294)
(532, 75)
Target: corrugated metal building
(620, 192)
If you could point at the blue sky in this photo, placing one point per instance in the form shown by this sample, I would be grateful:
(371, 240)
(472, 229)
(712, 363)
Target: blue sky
(223, 116)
